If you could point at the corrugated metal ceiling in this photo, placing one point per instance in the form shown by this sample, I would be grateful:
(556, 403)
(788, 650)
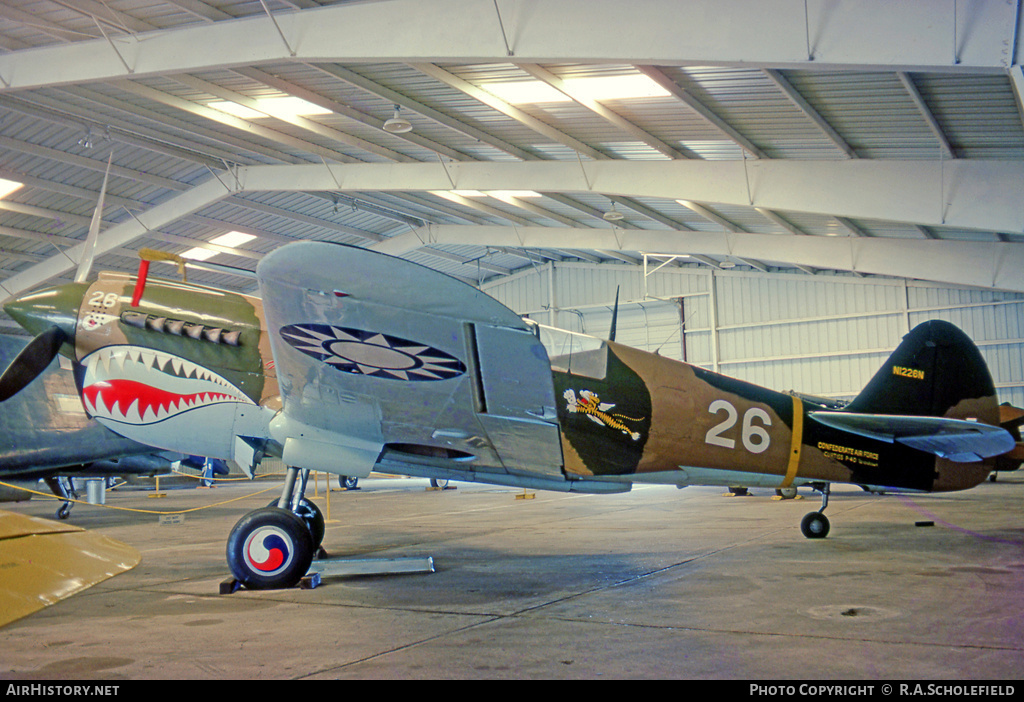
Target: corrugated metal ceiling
(165, 140)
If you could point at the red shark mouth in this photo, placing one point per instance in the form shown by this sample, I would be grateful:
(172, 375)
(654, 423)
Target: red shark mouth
(116, 397)
(140, 386)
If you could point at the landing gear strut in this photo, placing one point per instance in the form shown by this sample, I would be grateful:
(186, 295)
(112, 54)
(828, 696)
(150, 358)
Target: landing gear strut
(273, 547)
(63, 488)
(815, 525)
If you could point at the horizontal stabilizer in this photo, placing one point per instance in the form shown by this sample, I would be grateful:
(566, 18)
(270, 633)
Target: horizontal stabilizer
(956, 440)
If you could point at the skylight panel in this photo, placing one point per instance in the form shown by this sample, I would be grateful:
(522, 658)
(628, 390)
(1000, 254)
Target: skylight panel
(229, 239)
(198, 254)
(285, 107)
(526, 92)
(233, 108)
(617, 87)
(597, 88)
(507, 194)
(232, 239)
(290, 105)
(8, 186)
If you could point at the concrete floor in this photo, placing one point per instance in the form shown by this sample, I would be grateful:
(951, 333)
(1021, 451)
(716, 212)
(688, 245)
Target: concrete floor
(656, 583)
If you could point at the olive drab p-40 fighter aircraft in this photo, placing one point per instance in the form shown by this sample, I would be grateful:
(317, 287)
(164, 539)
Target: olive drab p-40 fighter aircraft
(353, 361)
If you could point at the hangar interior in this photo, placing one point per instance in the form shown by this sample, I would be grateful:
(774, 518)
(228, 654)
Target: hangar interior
(776, 191)
(779, 192)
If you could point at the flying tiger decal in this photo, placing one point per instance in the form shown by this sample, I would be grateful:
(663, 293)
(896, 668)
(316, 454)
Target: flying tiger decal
(590, 405)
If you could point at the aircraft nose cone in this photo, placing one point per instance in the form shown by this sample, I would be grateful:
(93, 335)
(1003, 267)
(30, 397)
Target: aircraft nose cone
(52, 307)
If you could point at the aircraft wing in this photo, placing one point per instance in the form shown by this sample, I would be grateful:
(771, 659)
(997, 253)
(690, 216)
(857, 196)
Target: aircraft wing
(957, 440)
(44, 562)
(375, 353)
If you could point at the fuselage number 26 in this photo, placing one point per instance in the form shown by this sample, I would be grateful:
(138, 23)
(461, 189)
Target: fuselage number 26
(753, 436)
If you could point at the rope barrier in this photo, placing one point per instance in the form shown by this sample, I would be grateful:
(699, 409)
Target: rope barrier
(215, 479)
(142, 511)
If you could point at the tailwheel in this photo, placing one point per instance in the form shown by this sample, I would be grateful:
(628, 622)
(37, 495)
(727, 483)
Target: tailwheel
(270, 548)
(814, 525)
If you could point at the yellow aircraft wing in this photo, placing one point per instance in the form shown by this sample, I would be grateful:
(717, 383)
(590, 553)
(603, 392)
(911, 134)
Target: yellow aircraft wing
(43, 562)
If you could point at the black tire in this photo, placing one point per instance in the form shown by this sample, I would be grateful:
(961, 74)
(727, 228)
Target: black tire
(313, 518)
(439, 483)
(814, 525)
(347, 483)
(270, 548)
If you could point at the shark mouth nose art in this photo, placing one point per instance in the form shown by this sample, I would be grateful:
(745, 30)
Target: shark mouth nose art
(140, 386)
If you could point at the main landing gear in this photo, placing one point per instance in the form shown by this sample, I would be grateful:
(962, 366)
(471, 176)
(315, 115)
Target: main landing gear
(273, 547)
(64, 489)
(815, 525)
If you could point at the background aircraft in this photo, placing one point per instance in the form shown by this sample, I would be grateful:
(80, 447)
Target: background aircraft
(1012, 419)
(355, 361)
(45, 433)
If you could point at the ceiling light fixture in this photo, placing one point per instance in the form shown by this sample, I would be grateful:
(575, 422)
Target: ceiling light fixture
(398, 124)
(613, 215)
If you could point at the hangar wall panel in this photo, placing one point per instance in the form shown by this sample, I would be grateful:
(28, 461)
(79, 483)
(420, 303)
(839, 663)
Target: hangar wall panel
(825, 335)
(527, 293)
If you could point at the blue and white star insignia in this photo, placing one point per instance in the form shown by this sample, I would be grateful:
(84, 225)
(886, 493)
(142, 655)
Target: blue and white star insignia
(372, 353)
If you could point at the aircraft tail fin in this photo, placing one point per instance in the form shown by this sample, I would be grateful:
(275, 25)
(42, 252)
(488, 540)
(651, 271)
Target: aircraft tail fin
(936, 371)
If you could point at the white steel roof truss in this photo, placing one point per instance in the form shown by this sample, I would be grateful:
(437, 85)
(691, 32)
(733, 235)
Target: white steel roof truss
(778, 33)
